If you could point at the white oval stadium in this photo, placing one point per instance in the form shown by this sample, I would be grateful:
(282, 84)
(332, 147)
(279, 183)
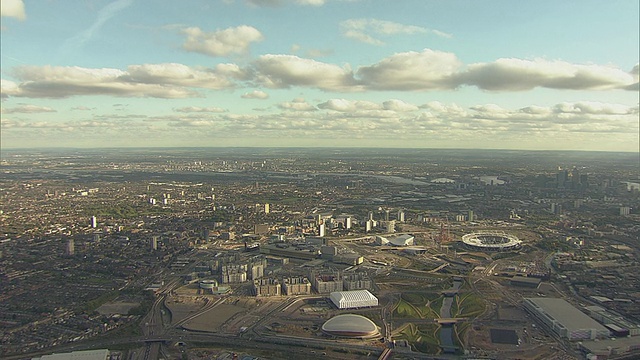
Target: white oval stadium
(491, 241)
(351, 325)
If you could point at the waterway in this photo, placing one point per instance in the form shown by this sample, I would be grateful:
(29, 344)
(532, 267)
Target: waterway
(447, 341)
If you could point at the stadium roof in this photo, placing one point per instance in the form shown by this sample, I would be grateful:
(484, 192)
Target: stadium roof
(568, 315)
(350, 324)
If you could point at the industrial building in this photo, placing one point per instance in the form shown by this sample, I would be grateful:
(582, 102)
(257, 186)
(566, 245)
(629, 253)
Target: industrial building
(564, 319)
(350, 325)
(525, 281)
(606, 317)
(102, 354)
(353, 299)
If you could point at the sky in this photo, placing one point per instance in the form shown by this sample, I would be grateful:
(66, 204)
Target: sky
(486, 74)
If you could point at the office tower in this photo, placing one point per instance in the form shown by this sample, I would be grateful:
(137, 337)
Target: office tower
(561, 178)
(154, 243)
(386, 215)
(321, 230)
(471, 215)
(370, 215)
(347, 223)
(94, 222)
(368, 225)
(266, 208)
(400, 216)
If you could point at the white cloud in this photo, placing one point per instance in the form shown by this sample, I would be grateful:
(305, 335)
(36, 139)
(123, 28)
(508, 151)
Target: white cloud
(364, 30)
(344, 105)
(146, 80)
(591, 107)
(517, 74)
(27, 109)
(196, 109)
(311, 2)
(282, 71)
(255, 94)
(13, 8)
(297, 105)
(233, 40)
(179, 74)
(424, 70)
(8, 88)
(399, 106)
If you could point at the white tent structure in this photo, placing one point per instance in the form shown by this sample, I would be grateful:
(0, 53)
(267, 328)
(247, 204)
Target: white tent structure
(353, 299)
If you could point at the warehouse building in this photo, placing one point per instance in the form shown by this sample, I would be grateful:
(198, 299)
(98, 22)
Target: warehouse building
(564, 319)
(353, 299)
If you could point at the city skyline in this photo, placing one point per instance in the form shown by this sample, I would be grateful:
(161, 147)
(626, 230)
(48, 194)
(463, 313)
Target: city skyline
(321, 73)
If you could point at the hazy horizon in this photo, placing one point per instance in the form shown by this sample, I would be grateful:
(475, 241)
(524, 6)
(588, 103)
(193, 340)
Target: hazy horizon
(542, 75)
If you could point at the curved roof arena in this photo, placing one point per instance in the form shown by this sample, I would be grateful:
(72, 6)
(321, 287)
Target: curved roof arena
(350, 325)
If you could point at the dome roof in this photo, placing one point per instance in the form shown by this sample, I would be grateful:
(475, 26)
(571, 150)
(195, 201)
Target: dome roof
(350, 325)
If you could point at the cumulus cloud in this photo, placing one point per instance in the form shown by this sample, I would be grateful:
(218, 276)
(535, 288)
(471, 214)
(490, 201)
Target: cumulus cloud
(255, 94)
(344, 105)
(179, 74)
(196, 109)
(13, 8)
(364, 30)
(298, 104)
(398, 106)
(27, 109)
(517, 74)
(407, 71)
(424, 70)
(282, 71)
(147, 80)
(233, 40)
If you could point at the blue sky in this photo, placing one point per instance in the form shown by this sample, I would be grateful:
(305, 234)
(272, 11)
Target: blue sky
(552, 75)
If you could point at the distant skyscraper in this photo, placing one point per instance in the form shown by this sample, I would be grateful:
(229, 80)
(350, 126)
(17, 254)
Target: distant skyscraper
(71, 249)
(347, 222)
(386, 215)
(154, 243)
(471, 215)
(400, 216)
(321, 231)
(94, 222)
(625, 210)
(266, 208)
(561, 178)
